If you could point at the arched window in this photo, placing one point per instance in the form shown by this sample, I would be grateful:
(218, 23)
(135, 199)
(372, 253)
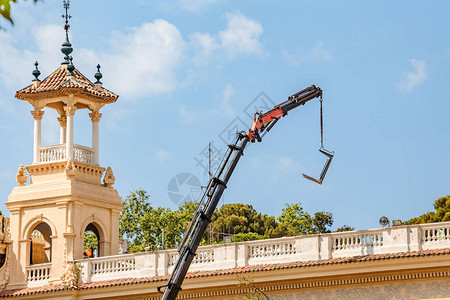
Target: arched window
(91, 241)
(41, 244)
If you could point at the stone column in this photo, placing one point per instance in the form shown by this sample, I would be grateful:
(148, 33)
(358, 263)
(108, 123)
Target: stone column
(95, 117)
(70, 112)
(62, 131)
(37, 115)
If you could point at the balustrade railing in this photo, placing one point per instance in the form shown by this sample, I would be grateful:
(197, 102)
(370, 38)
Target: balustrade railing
(58, 153)
(83, 154)
(38, 273)
(53, 153)
(287, 249)
(113, 265)
(358, 240)
(203, 256)
(436, 233)
(272, 248)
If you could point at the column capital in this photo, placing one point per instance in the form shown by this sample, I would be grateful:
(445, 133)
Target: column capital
(95, 116)
(70, 110)
(62, 121)
(37, 114)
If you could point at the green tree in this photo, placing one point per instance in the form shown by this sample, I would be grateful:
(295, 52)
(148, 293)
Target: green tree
(298, 222)
(142, 224)
(238, 218)
(345, 228)
(442, 213)
(90, 240)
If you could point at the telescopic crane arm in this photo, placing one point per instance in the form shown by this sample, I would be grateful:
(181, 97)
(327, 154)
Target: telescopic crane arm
(265, 121)
(217, 184)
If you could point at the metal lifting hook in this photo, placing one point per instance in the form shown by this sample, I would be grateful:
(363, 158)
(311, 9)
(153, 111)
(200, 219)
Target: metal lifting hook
(322, 150)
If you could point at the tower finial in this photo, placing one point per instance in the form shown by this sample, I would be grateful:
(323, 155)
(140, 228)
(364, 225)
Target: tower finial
(36, 71)
(66, 48)
(66, 5)
(98, 75)
(70, 67)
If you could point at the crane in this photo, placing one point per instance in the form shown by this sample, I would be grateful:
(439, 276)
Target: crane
(262, 124)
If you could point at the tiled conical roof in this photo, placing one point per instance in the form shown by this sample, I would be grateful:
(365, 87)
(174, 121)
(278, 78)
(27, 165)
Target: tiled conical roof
(59, 84)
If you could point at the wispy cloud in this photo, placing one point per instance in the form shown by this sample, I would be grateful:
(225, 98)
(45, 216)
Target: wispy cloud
(318, 52)
(240, 37)
(415, 77)
(161, 156)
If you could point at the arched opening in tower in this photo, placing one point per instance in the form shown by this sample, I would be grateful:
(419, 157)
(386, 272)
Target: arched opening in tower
(91, 241)
(41, 244)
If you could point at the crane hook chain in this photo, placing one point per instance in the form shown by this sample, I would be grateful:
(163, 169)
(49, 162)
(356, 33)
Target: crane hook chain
(321, 123)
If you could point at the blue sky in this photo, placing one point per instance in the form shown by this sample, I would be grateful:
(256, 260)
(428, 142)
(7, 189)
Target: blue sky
(185, 70)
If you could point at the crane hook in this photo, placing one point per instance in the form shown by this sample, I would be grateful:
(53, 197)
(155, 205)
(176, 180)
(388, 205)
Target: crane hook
(329, 154)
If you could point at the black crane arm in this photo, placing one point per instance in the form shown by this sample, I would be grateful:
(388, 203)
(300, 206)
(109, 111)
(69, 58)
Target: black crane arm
(218, 183)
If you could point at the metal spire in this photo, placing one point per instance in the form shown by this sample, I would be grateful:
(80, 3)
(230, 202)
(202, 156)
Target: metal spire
(66, 5)
(66, 48)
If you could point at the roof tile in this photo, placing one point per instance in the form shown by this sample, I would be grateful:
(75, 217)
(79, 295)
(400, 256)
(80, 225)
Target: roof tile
(58, 83)
(239, 270)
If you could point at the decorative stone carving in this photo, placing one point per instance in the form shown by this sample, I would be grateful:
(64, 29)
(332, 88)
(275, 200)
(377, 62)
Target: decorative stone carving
(95, 116)
(70, 110)
(37, 114)
(62, 121)
(22, 176)
(70, 277)
(109, 178)
(70, 169)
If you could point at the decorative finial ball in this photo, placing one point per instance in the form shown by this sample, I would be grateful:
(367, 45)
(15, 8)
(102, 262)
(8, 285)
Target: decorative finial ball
(36, 71)
(70, 67)
(66, 48)
(98, 75)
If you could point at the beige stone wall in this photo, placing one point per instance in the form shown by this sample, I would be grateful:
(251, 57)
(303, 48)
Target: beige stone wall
(67, 200)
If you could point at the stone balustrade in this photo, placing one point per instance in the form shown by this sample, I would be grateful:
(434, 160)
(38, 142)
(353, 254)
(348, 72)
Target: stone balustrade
(38, 275)
(286, 249)
(52, 153)
(58, 153)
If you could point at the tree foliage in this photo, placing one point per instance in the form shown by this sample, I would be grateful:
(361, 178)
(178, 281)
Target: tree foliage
(345, 228)
(298, 222)
(441, 213)
(143, 225)
(90, 240)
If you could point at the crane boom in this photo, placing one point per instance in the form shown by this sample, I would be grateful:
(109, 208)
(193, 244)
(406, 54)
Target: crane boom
(217, 184)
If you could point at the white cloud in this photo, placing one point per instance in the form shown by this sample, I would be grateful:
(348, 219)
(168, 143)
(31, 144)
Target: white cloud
(316, 52)
(146, 59)
(4, 174)
(161, 156)
(205, 46)
(143, 61)
(196, 5)
(413, 78)
(240, 37)
(140, 61)
(16, 65)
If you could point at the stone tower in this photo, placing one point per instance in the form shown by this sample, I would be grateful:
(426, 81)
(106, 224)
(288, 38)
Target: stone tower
(65, 196)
